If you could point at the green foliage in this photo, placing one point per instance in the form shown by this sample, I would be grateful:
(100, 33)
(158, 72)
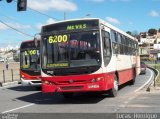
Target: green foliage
(128, 32)
(152, 32)
(157, 66)
(133, 33)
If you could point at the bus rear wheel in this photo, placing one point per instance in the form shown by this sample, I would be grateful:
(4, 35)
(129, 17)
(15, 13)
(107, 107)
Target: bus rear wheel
(113, 92)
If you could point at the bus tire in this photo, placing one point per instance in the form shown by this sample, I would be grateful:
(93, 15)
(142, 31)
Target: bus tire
(67, 95)
(114, 91)
(38, 88)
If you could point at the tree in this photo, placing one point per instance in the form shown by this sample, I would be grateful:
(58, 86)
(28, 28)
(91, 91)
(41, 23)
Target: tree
(152, 32)
(135, 33)
(159, 30)
(129, 32)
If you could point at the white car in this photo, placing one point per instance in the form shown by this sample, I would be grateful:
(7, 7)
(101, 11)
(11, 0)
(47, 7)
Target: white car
(1, 59)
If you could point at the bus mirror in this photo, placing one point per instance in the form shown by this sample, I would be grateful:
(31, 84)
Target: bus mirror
(37, 37)
(36, 42)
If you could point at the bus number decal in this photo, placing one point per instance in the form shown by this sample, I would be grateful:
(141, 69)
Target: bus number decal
(30, 52)
(58, 39)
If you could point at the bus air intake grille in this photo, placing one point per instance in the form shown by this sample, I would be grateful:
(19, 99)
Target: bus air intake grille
(71, 87)
(67, 82)
(36, 81)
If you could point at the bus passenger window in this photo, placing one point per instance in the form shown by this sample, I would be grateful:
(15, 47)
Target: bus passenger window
(25, 60)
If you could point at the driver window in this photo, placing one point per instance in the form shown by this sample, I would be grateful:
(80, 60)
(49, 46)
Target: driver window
(106, 46)
(25, 61)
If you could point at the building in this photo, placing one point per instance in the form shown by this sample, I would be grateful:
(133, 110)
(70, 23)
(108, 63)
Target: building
(149, 45)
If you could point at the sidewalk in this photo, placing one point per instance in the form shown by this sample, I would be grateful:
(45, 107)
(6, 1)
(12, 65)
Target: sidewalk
(10, 75)
(143, 102)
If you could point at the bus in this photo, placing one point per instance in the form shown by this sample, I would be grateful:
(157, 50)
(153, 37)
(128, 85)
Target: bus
(87, 55)
(30, 63)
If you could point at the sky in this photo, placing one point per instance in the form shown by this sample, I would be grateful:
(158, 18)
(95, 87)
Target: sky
(127, 15)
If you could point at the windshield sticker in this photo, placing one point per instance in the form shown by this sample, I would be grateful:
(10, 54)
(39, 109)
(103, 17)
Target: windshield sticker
(58, 65)
(25, 66)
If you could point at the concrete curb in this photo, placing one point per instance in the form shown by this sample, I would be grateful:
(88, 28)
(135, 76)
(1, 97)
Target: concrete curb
(9, 83)
(147, 83)
(156, 73)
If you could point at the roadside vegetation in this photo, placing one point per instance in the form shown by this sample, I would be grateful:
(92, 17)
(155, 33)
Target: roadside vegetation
(155, 66)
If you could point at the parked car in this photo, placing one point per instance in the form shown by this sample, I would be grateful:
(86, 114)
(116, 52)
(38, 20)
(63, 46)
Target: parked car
(1, 59)
(143, 68)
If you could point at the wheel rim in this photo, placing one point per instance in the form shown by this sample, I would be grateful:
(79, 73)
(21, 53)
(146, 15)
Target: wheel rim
(115, 85)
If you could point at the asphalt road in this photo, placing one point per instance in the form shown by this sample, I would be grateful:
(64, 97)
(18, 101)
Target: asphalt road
(18, 99)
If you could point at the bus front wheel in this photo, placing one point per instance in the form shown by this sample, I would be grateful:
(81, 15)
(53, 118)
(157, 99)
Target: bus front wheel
(113, 92)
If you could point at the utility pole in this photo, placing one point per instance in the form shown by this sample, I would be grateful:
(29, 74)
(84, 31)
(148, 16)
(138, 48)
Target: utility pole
(64, 15)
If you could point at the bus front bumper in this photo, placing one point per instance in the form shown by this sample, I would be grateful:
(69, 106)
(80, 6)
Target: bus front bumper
(31, 82)
(98, 86)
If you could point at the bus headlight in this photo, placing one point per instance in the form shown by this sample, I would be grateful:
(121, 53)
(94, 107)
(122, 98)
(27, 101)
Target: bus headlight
(100, 79)
(46, 82)
(97, 79)
(22, 76)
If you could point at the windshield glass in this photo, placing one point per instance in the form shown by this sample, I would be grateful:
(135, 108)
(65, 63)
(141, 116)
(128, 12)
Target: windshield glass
(75, 49)
(30, 59)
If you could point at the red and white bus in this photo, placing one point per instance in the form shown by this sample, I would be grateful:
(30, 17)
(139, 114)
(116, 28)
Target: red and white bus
(86, 55)
(30, 63)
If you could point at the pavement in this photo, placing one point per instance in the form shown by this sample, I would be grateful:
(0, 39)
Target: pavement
(143, 102)
(9, 83)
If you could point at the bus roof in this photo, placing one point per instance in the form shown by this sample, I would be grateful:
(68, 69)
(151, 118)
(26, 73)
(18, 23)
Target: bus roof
(27, 41)
(101, 21)
(28, 44)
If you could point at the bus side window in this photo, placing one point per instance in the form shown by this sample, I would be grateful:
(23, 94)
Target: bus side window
(106, 46)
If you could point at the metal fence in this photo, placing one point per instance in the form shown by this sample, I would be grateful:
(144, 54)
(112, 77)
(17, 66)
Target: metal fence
(9, 75)
(12, 74)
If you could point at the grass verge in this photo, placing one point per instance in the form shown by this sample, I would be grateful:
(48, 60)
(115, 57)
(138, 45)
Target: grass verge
(156, 66)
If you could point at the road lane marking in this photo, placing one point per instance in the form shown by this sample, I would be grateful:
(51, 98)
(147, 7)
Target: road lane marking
(145, 83)
(18, 108)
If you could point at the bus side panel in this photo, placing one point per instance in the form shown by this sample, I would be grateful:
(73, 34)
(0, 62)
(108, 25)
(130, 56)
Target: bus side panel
(125, 76)
(138, 70)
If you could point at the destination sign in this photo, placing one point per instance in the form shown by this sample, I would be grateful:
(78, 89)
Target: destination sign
(76, 27)
(30, 52)
(29, 44)
(72, 25)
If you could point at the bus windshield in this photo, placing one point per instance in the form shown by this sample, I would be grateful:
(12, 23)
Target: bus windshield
(73, 49)
(30, 59)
